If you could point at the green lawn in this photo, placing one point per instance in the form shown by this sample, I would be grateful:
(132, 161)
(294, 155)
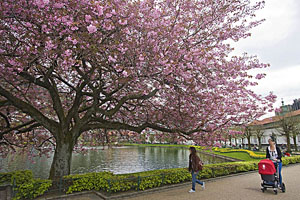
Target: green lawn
(260, 152)
(238, 155)
(155, 145)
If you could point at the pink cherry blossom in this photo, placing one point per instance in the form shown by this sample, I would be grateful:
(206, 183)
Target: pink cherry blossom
(111, 59)
(59, 5)
(260, 76)
(124, 65)
(88, 18)
(100, 10)
(141, 57)
(122, 22)
(91, 28)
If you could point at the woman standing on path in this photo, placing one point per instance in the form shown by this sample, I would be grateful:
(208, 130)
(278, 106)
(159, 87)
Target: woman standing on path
(194, 168)
(274, 154)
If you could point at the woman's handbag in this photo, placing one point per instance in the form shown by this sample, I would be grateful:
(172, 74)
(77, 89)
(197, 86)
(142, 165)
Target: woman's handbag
(200, 165)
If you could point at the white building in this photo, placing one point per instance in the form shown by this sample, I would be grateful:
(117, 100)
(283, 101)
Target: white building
(272, 126)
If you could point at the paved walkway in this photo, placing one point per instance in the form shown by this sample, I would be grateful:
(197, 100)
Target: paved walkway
(242, 187)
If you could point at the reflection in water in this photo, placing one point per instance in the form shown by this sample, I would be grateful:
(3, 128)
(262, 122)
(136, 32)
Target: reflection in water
(119, 160)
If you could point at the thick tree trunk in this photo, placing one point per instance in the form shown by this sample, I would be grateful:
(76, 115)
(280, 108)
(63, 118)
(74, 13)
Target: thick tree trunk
(288, 143)
(259, 143)
(61, 163)
(295, 142)
(249, 143)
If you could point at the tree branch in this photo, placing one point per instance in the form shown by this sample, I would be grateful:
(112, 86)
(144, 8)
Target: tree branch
(49, 124)
(123, 100)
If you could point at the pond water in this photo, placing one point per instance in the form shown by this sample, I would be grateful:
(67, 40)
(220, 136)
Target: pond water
(119, 160)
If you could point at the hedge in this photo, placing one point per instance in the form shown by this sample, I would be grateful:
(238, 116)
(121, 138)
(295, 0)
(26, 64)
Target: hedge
(150, 179)
(25, 186)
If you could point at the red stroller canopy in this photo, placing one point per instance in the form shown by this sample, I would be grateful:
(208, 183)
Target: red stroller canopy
(266, 167)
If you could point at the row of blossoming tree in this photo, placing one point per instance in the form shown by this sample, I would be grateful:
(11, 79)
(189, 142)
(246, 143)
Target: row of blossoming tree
(69, 67)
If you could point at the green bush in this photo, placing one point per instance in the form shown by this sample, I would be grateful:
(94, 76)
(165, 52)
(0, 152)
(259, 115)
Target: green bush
(5, 177)
(89, 181)
(32, 189)
(19, 177)
(289, 160)
(26, 187)
(122, 183)
(151, 179)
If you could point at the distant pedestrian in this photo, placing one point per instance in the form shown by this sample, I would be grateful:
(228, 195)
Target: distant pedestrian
(195, 165)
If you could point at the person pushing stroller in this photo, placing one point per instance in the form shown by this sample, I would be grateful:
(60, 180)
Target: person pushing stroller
(274, 154)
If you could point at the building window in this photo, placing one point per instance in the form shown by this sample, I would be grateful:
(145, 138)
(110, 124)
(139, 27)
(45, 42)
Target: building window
(254, 140)
(263, 139)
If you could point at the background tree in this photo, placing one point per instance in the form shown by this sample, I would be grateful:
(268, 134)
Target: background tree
(69, 67)
(258, 132)
(295, 134)
(288, 126)
(248, 133)
(143, 138)
(151, 138)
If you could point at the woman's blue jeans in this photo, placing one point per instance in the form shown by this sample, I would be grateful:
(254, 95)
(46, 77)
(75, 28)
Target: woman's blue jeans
(279, 168)
(195, 180)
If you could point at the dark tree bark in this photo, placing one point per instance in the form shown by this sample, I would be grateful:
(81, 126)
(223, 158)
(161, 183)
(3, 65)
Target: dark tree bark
(295, 142)
(61, 163)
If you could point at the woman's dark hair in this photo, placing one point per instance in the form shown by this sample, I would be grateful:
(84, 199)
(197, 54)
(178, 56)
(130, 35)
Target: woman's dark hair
(273, 139)
(193, 150)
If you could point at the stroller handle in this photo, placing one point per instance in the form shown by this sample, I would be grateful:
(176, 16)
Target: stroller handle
(276, 161)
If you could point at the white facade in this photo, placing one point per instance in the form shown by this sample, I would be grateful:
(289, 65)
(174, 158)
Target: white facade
(280, 140)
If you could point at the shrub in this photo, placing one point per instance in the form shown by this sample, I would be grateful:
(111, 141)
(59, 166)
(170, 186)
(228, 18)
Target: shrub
(89, 181)
(25, 186)
(289, 160)
(19, 177)
(156, 178)
(32, 189)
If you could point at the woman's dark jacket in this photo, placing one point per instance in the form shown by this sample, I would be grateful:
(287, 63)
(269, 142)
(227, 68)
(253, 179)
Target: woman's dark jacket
(194, 163)
(279, 155)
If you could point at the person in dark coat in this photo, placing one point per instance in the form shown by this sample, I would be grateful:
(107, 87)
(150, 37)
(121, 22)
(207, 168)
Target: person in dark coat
(194, 168)
(274, 154)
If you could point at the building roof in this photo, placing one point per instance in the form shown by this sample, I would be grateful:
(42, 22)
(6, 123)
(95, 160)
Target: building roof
(275, 118)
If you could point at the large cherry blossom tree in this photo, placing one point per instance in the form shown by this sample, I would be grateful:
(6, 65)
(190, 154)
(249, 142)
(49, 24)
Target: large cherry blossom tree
(69, 67)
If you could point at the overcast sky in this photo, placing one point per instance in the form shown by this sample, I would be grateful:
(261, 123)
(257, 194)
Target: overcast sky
(277, 42)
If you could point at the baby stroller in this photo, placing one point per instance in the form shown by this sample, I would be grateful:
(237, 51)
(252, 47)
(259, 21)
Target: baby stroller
(268, 170)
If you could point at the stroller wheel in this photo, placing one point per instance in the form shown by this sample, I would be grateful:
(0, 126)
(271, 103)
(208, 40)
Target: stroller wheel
(275, 192)
(283, 188)
(263, 189)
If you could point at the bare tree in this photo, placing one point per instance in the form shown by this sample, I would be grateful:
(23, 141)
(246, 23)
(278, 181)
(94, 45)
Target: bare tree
(258, 132)
(295, 133)
(288, 126)
(248, 134)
